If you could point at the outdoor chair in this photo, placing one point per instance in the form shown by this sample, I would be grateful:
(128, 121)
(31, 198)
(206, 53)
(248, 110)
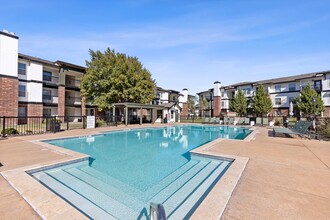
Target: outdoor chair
(247, 121)
(299, 129)
(265, 121)
(258, 121)
(217, 121)
(231, 120)
(241, 121)
(206, 120)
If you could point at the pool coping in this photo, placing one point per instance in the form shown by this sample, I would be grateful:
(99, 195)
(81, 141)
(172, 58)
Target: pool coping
(48, 205)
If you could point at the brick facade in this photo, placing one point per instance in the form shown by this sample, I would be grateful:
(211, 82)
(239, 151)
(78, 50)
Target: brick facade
(184, 111)
(326, 112)
(8, 96)
(61, 101)
(216, 106)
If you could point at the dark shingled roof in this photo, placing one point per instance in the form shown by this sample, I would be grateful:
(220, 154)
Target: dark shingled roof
(36, 59)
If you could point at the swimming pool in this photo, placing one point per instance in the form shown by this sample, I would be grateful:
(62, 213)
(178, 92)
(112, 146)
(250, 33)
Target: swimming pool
(129, 169)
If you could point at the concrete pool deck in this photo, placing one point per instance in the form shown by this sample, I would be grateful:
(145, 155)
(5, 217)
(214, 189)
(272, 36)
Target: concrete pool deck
(284, 179)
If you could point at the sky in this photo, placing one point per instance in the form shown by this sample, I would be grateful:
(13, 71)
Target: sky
(183, 43)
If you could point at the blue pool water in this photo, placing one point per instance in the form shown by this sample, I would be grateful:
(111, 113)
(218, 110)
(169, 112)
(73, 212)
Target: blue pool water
(129, 169)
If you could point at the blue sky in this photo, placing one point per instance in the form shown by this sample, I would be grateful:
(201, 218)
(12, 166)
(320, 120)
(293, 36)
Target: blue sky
(185, 44)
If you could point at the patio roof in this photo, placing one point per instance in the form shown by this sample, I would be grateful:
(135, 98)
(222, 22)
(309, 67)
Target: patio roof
(137, 105)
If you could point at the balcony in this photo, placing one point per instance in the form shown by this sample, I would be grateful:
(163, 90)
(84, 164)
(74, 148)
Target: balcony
(50, 99)
(50, 79)
(71, 82)
(73, 100)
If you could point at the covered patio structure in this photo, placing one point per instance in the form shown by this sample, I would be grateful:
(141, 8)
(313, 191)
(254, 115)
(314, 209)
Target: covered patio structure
(135, 113)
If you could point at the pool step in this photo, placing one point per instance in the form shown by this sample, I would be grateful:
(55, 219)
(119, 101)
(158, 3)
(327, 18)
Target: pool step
(109, 190)
(171, 189)
(182, 211)
(81, 203)
(100, 199)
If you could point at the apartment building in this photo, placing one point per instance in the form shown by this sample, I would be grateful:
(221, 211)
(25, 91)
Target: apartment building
(31, 86)
(281, 90)
(175, 102)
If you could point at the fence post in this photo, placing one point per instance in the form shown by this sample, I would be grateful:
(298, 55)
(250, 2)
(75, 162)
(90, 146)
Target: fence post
(3, 126)
(67, 122)
(54, 124)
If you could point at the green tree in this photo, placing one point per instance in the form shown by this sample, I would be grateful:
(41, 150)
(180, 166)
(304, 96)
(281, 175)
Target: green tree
(239, 104)
(305, 102)
(192, 104)
(261, 102)
(203, 105)
(113, 77)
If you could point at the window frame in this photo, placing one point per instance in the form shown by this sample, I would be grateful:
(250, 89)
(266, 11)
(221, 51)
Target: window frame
(290, 88)
(276, 86)
(43, 76)
(278, 103)
(19, 69)
(21, 93)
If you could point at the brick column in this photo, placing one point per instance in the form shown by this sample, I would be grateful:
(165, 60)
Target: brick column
(216, 106)
(34, 109)
(61, 101)
(8, 96)
(184, 110)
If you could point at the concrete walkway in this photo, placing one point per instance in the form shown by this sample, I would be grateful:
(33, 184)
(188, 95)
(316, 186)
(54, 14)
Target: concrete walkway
(285, 178)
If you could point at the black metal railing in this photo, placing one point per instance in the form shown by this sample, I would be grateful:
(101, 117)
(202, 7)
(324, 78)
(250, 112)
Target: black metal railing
(28, 125)
(50, 79)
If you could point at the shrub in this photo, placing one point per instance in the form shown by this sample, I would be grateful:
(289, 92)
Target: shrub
(277, 122)
(9, 131)
(100, 123)
(324, 128)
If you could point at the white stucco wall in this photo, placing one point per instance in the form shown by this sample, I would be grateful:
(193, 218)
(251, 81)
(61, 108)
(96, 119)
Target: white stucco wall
(8, 55)
(34, 92)
(34, 71)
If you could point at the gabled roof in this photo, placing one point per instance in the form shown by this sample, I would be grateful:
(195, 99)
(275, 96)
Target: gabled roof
(171, 104)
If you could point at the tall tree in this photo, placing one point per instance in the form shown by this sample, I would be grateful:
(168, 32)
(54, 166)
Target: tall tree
(261, 102)
(113, 77)
(239, 103)
(305, 102)
(192, 104)
(203, 105)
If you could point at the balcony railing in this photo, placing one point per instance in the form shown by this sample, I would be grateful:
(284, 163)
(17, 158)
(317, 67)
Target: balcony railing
(50, 79)
(49, 99)
(72, 82)
(73, 100)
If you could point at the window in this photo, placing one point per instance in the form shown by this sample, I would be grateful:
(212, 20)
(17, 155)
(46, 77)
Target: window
(46, 112)
(21, 111)
(318, 85)
(21, 68)
(21, 90)
(291, 99)
(277, 101)
(277, 112)
(222, 104)
(47, 94)
(278, 88)
(247, 91)
(292, 87)
(47, 76)
(222, 94)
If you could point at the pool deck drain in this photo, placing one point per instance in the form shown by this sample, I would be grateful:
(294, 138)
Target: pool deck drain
(281, 179)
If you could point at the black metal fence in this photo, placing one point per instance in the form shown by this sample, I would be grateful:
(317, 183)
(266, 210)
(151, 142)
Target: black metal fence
(28, 125)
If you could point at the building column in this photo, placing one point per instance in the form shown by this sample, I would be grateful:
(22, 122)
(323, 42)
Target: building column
(216, 106)
(8, 96)
(61, 101)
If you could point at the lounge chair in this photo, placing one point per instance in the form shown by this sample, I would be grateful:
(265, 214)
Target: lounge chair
(299, 129)
(231, 120)
(265, 121)
(247, 121)
(217, 121)
(206, 120)
(258, 121)
(241, 121)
